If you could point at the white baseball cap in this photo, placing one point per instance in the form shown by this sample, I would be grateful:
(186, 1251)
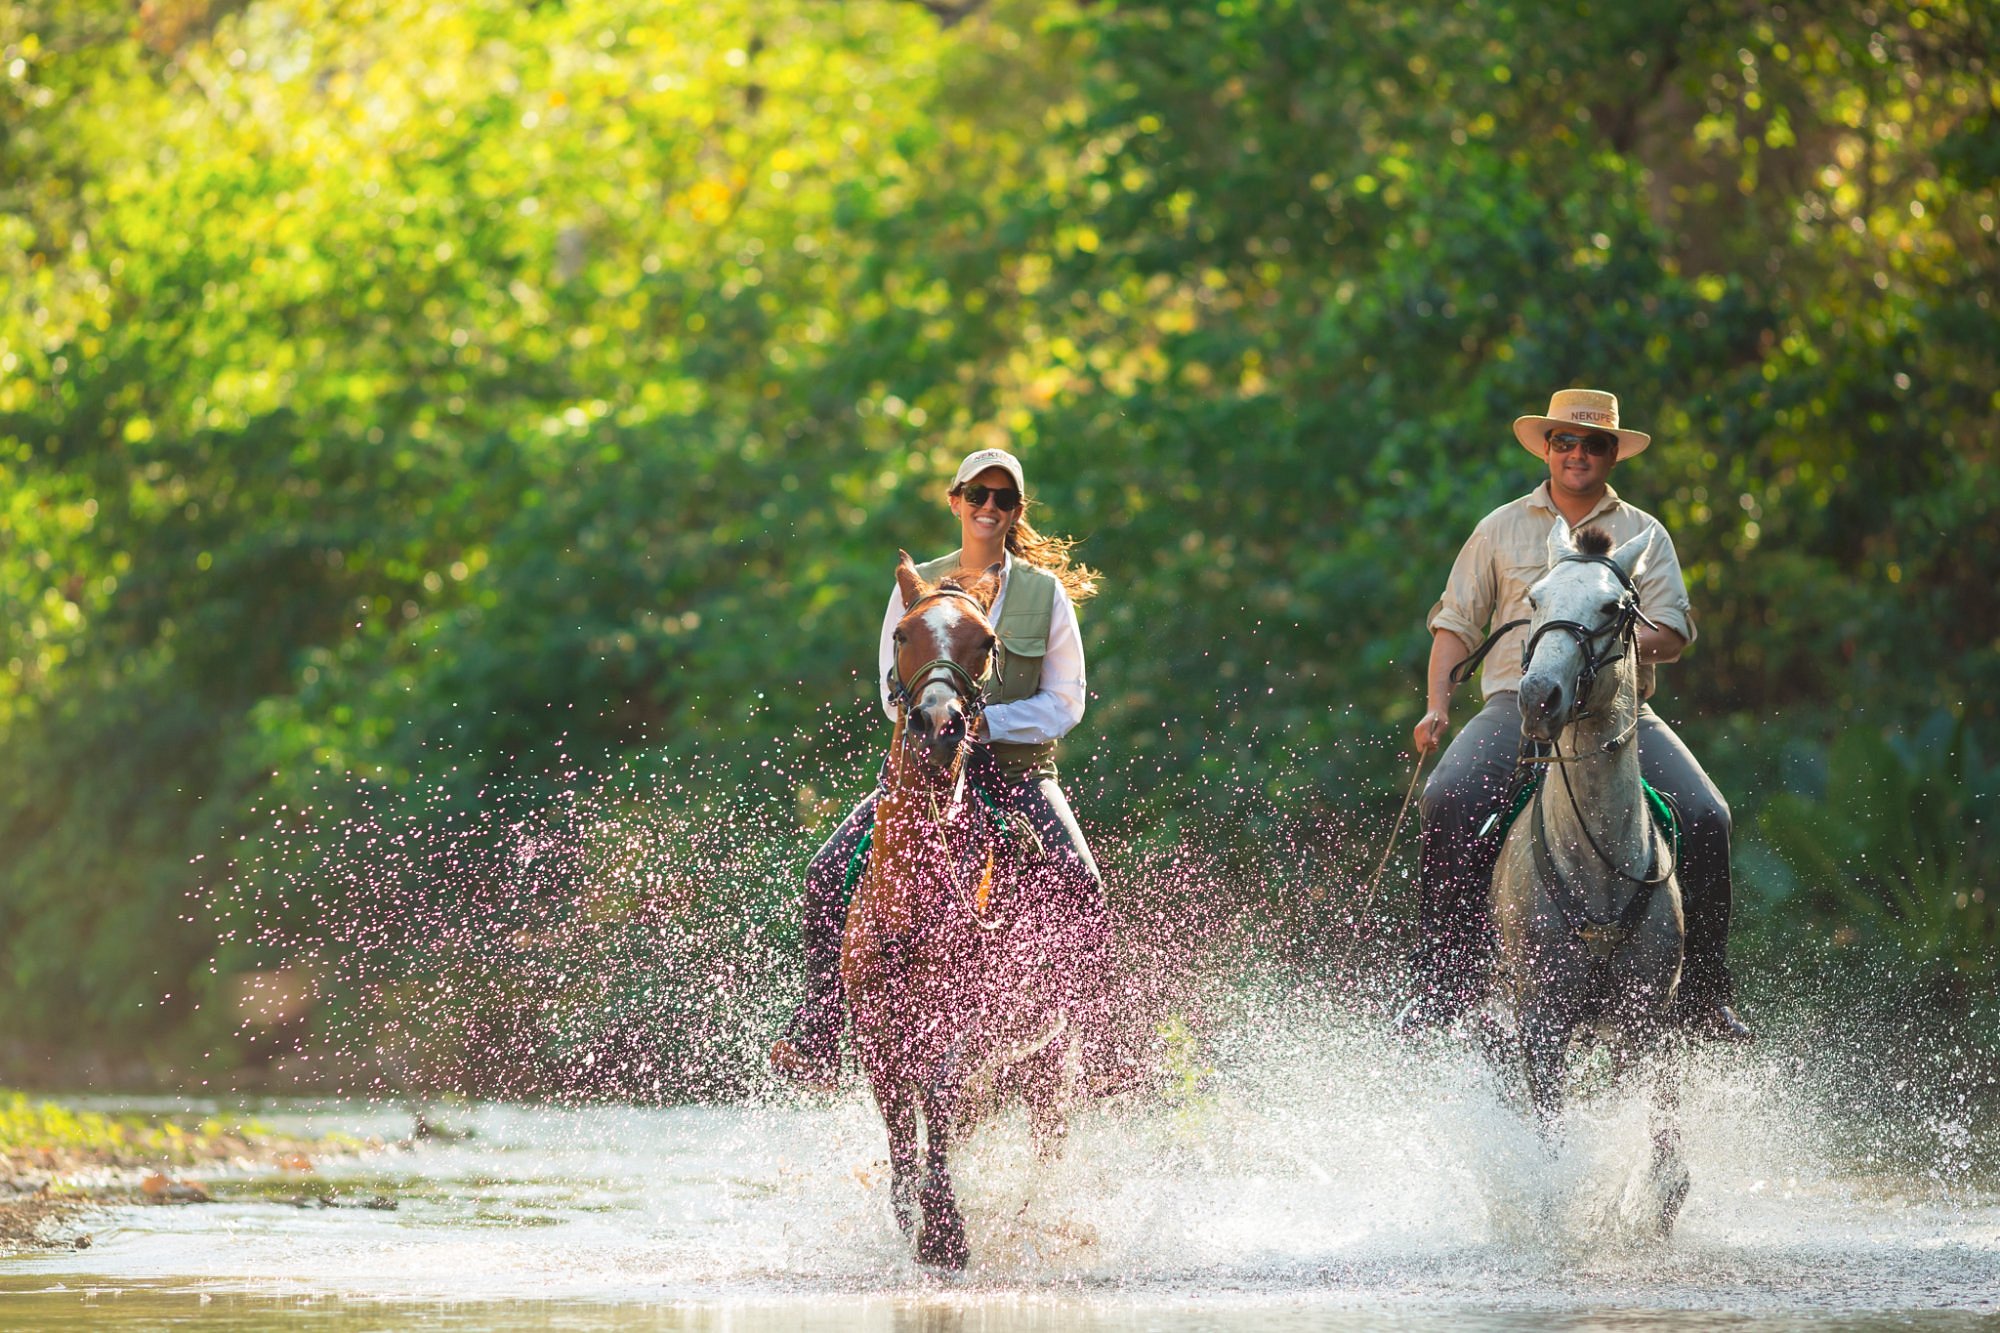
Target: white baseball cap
(978, 461)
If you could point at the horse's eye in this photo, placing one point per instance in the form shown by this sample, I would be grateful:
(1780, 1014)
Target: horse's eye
(1609, 608)
(1533, 605)
(897, 637)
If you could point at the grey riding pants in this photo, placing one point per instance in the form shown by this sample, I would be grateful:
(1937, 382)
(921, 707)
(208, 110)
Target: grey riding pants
(1471, 783)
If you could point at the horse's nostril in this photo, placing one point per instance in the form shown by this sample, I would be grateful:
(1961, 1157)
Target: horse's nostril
(1554, 700)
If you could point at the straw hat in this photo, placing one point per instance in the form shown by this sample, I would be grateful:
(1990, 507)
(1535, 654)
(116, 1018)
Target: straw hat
(1590, 408)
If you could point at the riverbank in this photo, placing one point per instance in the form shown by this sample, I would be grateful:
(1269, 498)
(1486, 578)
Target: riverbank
(1327, 1176)
(59, 1162)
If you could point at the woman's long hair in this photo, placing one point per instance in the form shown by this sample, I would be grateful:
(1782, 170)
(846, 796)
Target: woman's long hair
(1051, 554)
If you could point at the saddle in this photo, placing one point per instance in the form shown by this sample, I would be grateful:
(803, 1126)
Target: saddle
(1004, 844)
(1603, 938)
(1521, 790)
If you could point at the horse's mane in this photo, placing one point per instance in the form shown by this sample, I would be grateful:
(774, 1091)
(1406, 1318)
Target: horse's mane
(1594, 541)
(967, 582)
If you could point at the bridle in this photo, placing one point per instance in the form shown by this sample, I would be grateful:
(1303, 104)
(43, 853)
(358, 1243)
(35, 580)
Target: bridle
(957, 675)
(969, 691)
(1603, 646)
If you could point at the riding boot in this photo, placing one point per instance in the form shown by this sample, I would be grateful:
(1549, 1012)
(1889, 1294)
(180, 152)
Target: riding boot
(1473, 781)
(1455, 945)
(1453, 952)
(808, 1051)
(1703, 1005)
(1057, 856)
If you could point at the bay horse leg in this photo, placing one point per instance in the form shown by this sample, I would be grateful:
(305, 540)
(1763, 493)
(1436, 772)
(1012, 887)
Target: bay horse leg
(941, 1239)
(899, 1113)
(1052, 1083)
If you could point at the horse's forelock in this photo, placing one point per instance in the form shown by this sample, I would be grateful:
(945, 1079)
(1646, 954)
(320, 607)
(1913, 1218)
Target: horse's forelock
(956, 629)
(1593, 541)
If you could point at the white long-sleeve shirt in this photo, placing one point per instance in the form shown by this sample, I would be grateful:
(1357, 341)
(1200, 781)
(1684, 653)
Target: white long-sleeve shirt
(1052, 710)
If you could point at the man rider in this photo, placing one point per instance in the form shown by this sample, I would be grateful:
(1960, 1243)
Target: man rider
(1581, 441)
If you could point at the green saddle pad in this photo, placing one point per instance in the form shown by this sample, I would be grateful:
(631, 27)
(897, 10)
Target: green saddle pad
(1664, 814)
(859, 860)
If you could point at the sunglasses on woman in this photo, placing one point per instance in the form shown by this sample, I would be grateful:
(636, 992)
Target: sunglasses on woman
(1004, 498)
(1596, 445)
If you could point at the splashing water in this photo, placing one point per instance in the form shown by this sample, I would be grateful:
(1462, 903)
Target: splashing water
(630, 939)
(1315, 1168)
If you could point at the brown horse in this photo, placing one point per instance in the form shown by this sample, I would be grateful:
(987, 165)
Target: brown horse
(953, 967)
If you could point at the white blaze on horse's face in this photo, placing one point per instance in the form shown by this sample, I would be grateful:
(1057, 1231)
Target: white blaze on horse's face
(1581, 593)
(950, 629)
(937, 695)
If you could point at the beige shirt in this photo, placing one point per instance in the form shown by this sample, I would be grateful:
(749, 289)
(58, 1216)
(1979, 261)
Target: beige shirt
(1509, 551)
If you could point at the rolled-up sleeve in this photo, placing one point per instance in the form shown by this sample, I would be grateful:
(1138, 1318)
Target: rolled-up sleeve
(1663, 593)
(1469, 593)
(1056, 706)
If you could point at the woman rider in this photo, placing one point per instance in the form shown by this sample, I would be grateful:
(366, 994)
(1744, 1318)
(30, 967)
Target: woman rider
(1034, 696)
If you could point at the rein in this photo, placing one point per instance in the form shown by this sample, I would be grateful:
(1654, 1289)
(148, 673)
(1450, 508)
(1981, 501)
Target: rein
(1603, 646)
(964, 684)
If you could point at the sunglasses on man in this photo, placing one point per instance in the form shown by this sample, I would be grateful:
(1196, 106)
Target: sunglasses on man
(1596, 444)
(1004, 498)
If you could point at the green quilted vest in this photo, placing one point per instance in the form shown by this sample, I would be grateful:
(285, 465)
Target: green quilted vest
(1016, 672)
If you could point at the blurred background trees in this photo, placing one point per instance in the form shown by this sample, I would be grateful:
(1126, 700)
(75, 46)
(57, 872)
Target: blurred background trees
(471, 398)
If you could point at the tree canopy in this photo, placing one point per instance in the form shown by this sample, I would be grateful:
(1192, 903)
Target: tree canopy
(463, 397)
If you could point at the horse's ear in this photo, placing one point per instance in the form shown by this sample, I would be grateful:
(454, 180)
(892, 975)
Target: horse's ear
(1631, 556)
(912, 583)
(987, 586)
(1560, 542)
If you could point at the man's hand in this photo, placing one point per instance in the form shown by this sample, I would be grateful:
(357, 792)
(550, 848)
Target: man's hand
(1431, 729)
(1447, 651)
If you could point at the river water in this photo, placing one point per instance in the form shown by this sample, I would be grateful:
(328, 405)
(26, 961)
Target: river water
(1305, 1174)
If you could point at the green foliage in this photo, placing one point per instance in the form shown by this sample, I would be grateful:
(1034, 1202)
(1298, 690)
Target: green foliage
(1898, 852)
(477, 399)
(33, 1128)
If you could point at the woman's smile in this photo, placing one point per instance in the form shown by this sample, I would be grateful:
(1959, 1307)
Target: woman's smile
(986, 506)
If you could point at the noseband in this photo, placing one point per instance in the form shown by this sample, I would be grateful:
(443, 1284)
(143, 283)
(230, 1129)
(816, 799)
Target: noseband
(1602, 646)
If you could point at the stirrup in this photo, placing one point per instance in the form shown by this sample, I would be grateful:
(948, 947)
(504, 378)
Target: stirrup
(808, 1051)
(1712, 1020)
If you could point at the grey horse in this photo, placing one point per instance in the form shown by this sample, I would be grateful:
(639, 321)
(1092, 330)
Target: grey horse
(1585, 900)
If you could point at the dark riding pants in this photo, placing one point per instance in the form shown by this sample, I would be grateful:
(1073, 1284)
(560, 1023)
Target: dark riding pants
(1470, 784)
(1067, 861)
